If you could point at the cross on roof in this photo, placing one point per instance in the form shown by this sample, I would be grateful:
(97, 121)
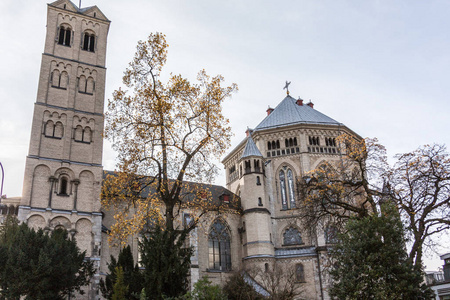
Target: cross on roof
(287, 87)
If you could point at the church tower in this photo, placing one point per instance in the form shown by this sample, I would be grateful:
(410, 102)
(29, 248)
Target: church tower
(258, 241)
(63, 172)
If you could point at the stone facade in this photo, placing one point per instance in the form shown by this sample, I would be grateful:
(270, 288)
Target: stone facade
(64, 173)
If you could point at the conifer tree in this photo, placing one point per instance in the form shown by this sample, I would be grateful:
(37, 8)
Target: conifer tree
(36, 265)
(132, 276)
(166, 263)
(370, 261)
(120, 289)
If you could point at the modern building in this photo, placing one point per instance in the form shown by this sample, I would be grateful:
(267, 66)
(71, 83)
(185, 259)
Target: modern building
(440, 281)
(64, 173)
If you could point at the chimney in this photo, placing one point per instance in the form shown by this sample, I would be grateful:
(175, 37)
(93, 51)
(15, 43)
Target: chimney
(310, 104)
(269, 110)
(248, 132)
(299, 101)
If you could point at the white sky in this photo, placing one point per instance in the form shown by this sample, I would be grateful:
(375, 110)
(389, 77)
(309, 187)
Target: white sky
(380, 67)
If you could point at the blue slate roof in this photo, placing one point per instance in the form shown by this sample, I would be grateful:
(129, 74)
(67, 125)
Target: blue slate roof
(251, 149)
(289, 113)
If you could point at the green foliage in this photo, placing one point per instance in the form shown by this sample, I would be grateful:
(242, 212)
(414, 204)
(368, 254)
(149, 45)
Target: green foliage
(370, 261)
(120, 289)
(236, 288)
(36, 265)
(166, 261)
(132, 276)
(204, 290)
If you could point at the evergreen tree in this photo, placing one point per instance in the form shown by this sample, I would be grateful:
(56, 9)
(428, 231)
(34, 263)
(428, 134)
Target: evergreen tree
(370, 261)
(166, 263)
(132, 276)
(120, 289)
(236, 288)
(204, 290)
(40, 266)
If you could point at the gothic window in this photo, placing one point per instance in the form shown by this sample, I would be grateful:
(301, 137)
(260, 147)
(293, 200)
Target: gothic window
(266, 267)
(290, 178)
(63, 186)
(248, 167)
(269, 145)
(88, 41)
(284, 203)
(287, 188)
(65, 35)
(258, 180)
(331, 235)
(257, 167)
(274, 145)
(219, 247)
(53, 130)
(292, 237)
(299, 273)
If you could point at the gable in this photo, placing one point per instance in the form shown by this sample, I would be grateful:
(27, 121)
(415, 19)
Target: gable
(94, 12)
(68, 5)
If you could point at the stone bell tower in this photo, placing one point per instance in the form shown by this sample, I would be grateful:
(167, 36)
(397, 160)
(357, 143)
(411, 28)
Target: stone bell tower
(258, 247)
(63, 172)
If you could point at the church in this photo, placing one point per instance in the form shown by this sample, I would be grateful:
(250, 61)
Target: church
(64, 172)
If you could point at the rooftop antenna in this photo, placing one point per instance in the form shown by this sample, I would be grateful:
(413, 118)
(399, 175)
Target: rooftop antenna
(287, 87)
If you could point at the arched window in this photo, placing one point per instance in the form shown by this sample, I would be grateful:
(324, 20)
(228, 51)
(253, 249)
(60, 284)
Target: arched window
(295, 141)
(65, 35)
(260, 201)
(266, 267)
(59, 130)
(330, 234)
(269, 146)
(82, 84)
(53, 130)
(63, 80)
(278, 144)
(286, 143)
(299, 273)
(292, 237)
(87, 135)
(219, 247)
(49, 129)
(55, 78)
(258, 181)
(78, 136)
(290, 178)
(274, 145)
(88, 42)
(90, 85)
(63, 186)
(283, 190)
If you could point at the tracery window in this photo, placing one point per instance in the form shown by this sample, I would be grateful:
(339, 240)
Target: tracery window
(292, 236)
(291, 188)
(331, 234)
(88, 42)
(65, 35)
(287, 188)
(219, 247)
(284, 202)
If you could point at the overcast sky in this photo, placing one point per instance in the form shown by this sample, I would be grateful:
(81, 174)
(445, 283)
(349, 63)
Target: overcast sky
(380, 67)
